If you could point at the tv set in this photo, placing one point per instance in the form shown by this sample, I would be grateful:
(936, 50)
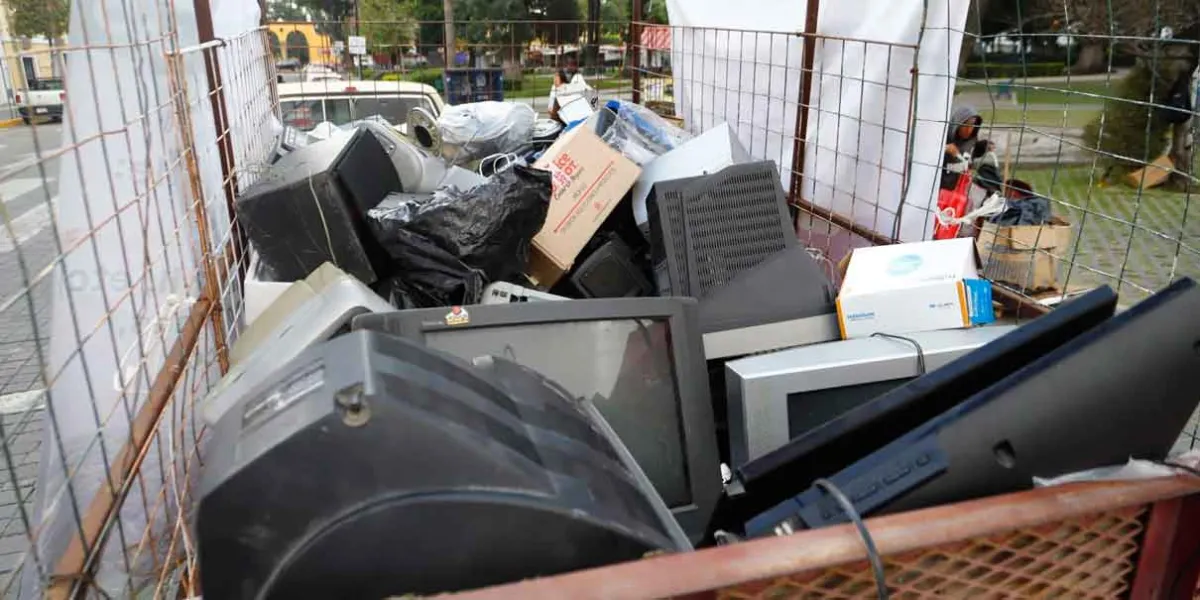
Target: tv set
(351, 452)
(640, 358)
(1120, 390)
(775, 397)
(778, 475)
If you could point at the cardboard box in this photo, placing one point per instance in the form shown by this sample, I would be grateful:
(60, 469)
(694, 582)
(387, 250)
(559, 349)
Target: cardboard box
(589, 179)
(1024, 256)
(905, 288)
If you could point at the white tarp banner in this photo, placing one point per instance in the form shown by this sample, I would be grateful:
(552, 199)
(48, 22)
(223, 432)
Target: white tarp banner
(126, 283)
(859, 116)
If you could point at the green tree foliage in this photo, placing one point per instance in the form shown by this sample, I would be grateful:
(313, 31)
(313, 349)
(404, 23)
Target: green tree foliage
(655, 11)
(492, 25)
(332, 16)
(1131, 129)
(31, 18)
(614, 20)
(388, 25)
(285, 10)
(561, 20)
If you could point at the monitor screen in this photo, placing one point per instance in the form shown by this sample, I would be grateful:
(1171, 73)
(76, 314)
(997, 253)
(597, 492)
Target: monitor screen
(625, 366)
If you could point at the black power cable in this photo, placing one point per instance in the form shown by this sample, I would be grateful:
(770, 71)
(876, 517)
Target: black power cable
(872, 552)
(915, 343)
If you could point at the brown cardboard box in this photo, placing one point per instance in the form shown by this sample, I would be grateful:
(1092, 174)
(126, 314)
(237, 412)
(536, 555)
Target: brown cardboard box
(589, 179)
(1025, 256)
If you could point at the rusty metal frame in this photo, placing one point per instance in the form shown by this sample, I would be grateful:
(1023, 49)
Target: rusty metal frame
(1169, 565)
(635, 50)
(812, 12)
(700, 572)
(74, 568)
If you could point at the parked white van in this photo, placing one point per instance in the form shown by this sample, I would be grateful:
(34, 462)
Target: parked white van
(304, 105)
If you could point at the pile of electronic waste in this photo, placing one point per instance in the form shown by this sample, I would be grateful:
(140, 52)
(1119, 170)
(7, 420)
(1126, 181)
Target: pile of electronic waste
(498, 348)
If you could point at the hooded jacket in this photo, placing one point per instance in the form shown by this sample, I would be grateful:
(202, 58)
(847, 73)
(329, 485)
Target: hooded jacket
(963, 115)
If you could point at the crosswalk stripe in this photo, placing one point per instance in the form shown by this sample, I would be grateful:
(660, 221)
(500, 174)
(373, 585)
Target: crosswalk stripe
(15, 188)
(12, 404)
(26, 226)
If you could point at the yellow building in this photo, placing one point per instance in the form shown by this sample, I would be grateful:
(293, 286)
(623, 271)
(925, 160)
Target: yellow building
(22, 60)
(301, 40)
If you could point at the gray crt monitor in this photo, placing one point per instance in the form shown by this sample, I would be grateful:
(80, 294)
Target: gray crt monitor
(773, 398)
(639, 359)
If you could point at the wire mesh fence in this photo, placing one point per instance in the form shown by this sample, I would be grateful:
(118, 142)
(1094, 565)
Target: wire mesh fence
(142, 275)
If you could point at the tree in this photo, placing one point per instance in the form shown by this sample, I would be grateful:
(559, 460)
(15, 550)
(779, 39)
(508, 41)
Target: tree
(492, 24)
(33, 18)
(388, 25)
(1097, 25)
(561, 18)
(614, 20)
(285, 10)
(655, 11)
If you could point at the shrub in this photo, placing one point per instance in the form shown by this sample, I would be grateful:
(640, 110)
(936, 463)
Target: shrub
(1132, 134)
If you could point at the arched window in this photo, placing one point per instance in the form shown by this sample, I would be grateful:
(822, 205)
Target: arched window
(297, 46)
(276, 47)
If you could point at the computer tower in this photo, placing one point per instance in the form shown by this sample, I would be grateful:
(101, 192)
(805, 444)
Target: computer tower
(347, 475)
(309, 208)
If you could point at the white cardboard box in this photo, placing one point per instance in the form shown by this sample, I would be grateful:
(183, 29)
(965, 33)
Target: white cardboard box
(922, 286)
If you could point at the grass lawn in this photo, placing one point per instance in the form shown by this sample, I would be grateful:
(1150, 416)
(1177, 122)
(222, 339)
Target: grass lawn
(1006, 114)
(533, 86)
(1059, 93)
(1131, 240)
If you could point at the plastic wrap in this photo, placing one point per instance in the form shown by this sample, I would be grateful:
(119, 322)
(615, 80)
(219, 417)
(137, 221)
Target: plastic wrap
(639, 133)
(487, 228)
(480, 129)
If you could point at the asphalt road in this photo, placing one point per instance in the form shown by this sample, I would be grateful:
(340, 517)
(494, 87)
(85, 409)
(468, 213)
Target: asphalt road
(27, 246)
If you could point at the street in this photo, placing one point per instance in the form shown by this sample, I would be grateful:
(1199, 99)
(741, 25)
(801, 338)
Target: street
(27, 245)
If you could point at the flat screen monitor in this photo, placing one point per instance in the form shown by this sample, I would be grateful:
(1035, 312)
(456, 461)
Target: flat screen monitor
(1126, 388)
(782, 473)
(640, 359)
(775, 397)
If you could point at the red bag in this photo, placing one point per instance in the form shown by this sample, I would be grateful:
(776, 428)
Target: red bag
(952, 204)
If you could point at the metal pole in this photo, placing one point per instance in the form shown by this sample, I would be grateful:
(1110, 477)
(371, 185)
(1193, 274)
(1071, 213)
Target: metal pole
(806, 79)
(448, 11)
(635, 51)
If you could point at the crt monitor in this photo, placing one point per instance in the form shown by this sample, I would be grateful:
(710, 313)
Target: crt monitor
(639, 358)
(1123, 389)
(775, 397)
(782, 473)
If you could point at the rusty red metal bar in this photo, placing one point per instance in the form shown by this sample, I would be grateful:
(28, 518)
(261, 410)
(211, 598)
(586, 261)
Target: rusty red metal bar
(715, 568)
(1169, 565)
(806, 81)
(635, 50)
(75, 565)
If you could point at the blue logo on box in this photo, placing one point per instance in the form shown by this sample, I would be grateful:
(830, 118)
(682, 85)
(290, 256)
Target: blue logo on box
(905, 264)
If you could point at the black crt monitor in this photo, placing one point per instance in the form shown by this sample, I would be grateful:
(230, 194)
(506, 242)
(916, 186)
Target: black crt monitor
(1125, 388)
(825, 450)
(640, 359)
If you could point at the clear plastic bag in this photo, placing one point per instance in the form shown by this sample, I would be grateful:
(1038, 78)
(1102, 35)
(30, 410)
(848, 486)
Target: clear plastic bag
(639, 133)
(480, 129)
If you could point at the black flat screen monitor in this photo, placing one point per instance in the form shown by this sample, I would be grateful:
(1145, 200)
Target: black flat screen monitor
(838, 443)
(639, 358)
(1123, 389)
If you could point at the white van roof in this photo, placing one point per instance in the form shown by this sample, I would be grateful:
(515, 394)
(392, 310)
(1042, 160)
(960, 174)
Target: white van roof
(367, 88)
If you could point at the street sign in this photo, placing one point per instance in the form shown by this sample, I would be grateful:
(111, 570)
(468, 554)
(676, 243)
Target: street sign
(338, 46)
(358, 45)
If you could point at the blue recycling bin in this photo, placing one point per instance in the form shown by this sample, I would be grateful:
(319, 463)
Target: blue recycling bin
(473, 85)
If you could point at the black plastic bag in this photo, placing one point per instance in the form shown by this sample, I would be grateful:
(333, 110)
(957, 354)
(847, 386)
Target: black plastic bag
(488, 227)
(425, 275)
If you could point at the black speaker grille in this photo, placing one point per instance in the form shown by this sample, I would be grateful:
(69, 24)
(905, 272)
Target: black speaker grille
(717, 226)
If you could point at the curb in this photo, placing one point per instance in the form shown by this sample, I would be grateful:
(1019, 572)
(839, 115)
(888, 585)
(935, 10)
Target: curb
(6, 123)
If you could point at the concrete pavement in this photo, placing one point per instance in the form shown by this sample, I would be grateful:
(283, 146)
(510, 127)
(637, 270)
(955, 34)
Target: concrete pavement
(27, 246)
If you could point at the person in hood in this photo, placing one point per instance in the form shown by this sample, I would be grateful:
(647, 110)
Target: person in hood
(962, 142)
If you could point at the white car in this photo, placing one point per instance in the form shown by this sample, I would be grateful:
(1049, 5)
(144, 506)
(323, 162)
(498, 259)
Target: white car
(304, 105)
(43, 99)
